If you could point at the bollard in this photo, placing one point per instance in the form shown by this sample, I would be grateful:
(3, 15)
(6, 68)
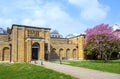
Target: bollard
(60, 61)
(35, 62)
(41, 63)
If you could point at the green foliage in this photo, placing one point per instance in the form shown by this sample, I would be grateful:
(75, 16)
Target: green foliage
(102, 40)
(29, 71)
(88, 51)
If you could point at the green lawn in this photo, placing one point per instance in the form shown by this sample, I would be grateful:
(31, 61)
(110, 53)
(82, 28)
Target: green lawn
(29, 71)
(112, 66)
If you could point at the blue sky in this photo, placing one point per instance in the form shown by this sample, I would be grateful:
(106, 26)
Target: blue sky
(66, 16)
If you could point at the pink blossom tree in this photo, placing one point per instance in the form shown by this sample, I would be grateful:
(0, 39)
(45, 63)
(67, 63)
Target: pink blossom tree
(101, 40)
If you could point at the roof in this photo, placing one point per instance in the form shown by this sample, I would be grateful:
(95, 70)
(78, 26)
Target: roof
(58, 38)
(70, 36)
(26, 26)
(77, 36)
(54, 32)
(117, 30)
(3, 34)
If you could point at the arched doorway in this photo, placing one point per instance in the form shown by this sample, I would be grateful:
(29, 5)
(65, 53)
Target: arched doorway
(6, 54)
(35, 50)
(74, 54)
(53, 54)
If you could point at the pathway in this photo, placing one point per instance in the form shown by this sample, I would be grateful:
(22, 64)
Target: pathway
(81, 73)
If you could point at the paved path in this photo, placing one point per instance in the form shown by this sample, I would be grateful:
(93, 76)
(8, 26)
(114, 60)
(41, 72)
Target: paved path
(81, 73)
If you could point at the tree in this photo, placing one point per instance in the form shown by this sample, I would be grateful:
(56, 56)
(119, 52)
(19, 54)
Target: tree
(101, 40)
(8, 30)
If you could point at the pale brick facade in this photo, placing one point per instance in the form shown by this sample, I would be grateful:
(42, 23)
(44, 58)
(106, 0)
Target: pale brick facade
(27, 43)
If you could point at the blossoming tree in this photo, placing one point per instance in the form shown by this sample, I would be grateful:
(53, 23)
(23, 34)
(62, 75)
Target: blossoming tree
(102, 41)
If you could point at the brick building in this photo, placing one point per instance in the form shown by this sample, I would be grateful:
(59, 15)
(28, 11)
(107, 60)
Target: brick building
(26, 43)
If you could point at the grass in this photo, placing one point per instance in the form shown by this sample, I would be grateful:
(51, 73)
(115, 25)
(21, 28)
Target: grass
(113, 66)
(29, 71)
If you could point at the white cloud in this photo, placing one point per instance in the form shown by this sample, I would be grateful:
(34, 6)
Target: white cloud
(53, 16)
(5, 22)
(40, 13)
(91, 9)
(33, 22)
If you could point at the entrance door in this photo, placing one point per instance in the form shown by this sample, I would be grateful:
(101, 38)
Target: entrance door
(35, 53)
(46, 51)
(35, 50)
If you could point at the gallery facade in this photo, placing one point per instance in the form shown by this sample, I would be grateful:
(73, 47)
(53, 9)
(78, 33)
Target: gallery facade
(26, 43)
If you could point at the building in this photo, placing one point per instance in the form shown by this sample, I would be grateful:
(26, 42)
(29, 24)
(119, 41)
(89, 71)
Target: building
(117, 33)
(27, 43)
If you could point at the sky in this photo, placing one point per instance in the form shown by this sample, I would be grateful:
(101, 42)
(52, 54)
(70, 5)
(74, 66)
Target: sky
(66, 16)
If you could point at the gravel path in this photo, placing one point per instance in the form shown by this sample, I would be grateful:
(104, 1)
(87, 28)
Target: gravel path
(81, 73)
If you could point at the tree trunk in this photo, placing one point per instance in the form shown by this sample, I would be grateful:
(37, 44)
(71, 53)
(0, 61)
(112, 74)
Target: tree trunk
(109, 56)
(100, 55)
(105, 58)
